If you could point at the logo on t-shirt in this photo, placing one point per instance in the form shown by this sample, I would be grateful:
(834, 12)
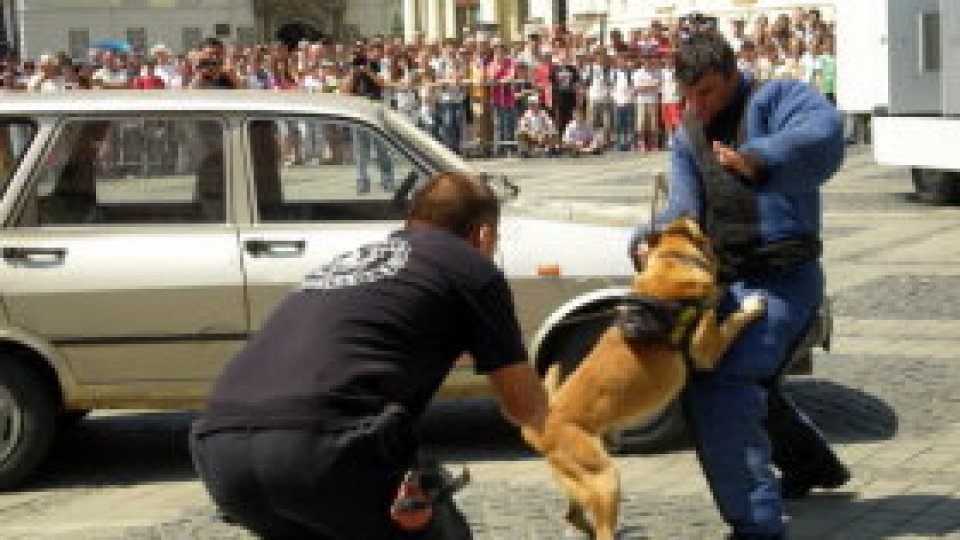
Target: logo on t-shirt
(366, 264)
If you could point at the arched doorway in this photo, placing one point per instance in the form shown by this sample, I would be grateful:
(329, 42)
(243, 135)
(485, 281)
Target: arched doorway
(294, 32)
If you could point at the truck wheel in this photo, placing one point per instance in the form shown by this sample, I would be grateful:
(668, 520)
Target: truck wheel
(651, 435)
(27, 422)
(936, 186)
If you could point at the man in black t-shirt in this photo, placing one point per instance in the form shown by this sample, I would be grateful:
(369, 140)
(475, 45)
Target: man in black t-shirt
(293, 442)
(565, 78)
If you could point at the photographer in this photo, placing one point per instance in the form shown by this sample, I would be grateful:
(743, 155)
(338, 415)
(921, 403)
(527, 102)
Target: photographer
(209, 67)
(364, 80)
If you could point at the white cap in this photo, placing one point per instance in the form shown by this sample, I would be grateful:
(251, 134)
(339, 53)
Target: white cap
(159, 47)
(46, 58)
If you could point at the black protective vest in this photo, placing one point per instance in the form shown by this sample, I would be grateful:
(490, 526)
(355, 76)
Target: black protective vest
(729, 207)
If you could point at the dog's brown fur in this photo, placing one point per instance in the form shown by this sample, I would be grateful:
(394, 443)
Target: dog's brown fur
(622, 381)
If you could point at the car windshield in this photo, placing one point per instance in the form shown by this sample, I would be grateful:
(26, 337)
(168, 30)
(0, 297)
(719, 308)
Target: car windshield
(15, 137)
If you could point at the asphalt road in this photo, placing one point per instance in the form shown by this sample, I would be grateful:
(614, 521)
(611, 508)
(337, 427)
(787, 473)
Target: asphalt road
(893, 272)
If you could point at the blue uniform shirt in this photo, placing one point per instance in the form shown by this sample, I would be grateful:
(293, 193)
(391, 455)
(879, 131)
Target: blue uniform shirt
(796, 135)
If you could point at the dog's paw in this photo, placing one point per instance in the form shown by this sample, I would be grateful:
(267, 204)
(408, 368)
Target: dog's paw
(755, 304)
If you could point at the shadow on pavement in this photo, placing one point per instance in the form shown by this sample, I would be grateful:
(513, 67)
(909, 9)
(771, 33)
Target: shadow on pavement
(904, 515)
(125, 449)
(844, 414)
(119, 449)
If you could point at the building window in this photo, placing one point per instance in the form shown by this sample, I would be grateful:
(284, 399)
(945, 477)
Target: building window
(246, 36)
(137, 38)
(191, 37)
(221, 30)
(78, 43)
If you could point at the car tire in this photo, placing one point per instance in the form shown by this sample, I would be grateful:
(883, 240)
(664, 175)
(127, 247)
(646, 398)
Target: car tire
(936, 186)
(70, 419)
(659, 433)
(27, 422)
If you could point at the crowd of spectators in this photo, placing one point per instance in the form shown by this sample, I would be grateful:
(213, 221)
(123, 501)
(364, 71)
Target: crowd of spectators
(557, 91)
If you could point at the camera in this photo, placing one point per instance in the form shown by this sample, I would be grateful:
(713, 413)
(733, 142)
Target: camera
(208, 63)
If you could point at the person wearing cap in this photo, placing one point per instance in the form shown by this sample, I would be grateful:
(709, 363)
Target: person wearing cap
(48, 77)
(536, 130)
(748, 163)
(309, 430)
(165, 68)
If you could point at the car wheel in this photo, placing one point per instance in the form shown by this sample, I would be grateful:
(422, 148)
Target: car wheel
(936, 186)
(654, 434)
(27, 422)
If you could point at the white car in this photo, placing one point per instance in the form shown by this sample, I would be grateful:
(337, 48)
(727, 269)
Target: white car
(145, 235)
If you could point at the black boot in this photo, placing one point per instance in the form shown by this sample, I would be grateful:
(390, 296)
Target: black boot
(828, 476)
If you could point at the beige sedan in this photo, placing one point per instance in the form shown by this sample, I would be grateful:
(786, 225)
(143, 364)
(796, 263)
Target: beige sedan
(145, 235)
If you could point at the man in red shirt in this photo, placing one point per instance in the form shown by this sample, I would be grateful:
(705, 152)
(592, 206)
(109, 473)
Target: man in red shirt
(148, 78)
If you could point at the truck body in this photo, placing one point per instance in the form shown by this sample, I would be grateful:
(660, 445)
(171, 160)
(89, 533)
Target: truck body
(899, 65)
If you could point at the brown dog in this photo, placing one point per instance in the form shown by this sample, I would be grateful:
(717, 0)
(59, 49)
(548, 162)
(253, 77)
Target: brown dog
(621, 381)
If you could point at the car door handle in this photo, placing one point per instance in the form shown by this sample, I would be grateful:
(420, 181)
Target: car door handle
(45, 255)
(258, 247)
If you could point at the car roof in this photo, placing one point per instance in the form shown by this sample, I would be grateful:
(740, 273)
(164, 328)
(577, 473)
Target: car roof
(102, 101)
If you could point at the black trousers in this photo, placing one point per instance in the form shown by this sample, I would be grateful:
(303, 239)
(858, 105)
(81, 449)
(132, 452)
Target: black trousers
(293, 484)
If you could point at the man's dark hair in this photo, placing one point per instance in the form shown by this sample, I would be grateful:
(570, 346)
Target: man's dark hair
(456, 203)
(702, 53)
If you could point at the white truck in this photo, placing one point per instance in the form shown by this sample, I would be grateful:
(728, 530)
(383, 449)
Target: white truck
(899, 66)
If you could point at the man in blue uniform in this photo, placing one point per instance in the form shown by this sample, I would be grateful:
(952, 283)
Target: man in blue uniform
(748, 162)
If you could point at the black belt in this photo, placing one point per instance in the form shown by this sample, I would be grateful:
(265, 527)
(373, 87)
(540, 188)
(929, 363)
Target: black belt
(770, 260)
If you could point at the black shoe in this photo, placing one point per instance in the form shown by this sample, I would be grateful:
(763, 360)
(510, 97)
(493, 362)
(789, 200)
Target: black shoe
(748, 536)
(798, 486)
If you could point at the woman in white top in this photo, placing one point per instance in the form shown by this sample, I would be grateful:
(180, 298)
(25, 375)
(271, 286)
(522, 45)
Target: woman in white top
(646, 79)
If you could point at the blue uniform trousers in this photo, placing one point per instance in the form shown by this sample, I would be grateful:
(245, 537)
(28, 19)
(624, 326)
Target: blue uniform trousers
(727, 408)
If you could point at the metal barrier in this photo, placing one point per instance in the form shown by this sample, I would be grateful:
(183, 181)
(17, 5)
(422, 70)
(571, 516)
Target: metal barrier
(487, 115)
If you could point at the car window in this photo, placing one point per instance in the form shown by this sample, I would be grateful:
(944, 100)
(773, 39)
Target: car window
(130, 171)
(15, 136)
(319, 169)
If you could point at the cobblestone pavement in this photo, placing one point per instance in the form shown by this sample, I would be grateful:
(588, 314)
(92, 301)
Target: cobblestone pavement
(885, 395)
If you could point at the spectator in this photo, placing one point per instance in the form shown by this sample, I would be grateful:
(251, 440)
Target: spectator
(149, 78)
(564, 85)
(113, 73)
(624, 108)
(450, 105)
(647, 81)
(670, 99)
(580, 138)
(165, 67)
(597, 79)
(826, 71)
(536, 131)
(209, 68)
(48, 77)
(502, 72)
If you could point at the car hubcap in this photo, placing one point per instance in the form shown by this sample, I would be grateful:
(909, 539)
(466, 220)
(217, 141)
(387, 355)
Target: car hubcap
(11, 424)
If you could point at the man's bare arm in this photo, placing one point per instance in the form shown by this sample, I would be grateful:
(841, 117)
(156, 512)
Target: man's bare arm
(521, 395)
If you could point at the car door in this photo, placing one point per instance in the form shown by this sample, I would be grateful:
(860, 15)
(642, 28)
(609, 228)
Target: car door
(122, 255)
(321, 186)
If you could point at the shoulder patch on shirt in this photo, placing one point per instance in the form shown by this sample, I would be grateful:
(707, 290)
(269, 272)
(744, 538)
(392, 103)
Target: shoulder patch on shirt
(365, 264)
